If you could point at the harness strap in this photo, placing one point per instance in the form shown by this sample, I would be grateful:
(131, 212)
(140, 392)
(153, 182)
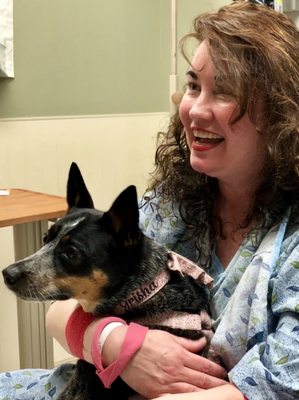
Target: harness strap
(179, 320)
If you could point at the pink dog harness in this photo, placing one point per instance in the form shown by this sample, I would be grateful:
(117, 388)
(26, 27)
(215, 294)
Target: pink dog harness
(173, 319)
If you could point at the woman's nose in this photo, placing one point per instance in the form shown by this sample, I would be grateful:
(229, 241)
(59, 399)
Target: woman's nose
(201, 108)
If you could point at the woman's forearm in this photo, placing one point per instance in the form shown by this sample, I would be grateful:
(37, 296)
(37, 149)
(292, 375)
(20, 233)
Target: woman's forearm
(225, 392)
(56, 320)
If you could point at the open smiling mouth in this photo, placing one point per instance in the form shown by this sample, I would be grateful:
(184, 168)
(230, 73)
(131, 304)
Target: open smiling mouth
(207, 138)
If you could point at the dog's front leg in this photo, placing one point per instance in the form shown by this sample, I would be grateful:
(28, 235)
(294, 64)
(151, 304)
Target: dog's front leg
(85, 384)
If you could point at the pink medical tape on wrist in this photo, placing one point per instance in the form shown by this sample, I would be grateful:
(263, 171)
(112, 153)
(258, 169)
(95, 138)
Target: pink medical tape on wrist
(75, 330)
(132, 343)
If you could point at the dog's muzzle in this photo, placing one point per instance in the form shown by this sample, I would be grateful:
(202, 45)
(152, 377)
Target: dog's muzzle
(12, 276)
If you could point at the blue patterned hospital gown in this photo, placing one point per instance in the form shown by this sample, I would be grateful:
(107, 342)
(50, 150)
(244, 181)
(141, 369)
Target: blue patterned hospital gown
(255, 306)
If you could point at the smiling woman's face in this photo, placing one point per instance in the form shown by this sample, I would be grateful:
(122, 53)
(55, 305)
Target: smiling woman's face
(228, 152)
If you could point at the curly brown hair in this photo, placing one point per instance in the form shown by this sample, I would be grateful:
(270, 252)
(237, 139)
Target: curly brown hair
(255, 51)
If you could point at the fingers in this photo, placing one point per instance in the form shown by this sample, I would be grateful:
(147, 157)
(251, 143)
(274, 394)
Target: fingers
(181, 365)
(201, 379)
(198, 363)
(169, 364)
(192, 345)
(201, 364)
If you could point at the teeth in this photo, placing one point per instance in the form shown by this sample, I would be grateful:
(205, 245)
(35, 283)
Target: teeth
(206, 135)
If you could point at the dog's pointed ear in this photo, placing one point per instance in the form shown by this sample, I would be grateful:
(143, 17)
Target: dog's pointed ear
(77, 193)
(122, 220)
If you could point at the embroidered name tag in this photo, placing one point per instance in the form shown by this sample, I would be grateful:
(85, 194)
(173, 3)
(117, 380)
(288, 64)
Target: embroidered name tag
(139, 296)
(143, 293)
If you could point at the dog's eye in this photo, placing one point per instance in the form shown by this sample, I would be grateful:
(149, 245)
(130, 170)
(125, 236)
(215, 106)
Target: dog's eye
(72, 253)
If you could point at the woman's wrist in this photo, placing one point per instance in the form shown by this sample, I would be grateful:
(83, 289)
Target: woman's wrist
(111, 347)
(132, 342)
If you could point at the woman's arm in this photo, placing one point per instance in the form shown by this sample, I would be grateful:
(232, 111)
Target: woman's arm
(57, 317)
(270, 367)
(226, 392)
(164, 364)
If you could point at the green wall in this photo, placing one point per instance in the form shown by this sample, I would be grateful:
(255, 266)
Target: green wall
(84, 57)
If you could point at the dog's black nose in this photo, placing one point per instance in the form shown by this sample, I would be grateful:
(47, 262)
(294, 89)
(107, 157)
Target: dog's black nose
(12, 275)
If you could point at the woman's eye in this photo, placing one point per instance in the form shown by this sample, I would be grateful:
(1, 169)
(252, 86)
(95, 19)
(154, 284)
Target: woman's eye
(192, 86)
(220, 95)
(223, 94)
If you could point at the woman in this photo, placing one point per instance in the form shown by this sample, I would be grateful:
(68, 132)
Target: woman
(225, 193)
(233, 169)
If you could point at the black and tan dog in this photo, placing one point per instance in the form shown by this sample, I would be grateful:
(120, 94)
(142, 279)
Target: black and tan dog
(103, 260)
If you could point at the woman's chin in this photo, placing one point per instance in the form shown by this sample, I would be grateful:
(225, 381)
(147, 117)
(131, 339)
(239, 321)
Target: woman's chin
(203, 168)
(198, 165)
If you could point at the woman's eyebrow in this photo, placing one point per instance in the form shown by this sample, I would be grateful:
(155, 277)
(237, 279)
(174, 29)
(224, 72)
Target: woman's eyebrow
(192, 74)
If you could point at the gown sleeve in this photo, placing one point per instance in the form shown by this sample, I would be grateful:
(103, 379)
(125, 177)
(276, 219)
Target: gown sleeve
(270, 369)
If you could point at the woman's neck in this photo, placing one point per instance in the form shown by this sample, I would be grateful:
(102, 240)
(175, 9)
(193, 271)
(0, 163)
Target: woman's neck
(234, 202)
(232, 208)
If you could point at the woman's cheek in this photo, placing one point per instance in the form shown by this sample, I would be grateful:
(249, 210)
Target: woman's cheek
(184, 111)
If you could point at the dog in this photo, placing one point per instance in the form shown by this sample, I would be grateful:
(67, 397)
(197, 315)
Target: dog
(103, 260)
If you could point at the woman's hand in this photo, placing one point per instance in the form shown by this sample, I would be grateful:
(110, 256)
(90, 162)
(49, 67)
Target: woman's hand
(165, 364)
